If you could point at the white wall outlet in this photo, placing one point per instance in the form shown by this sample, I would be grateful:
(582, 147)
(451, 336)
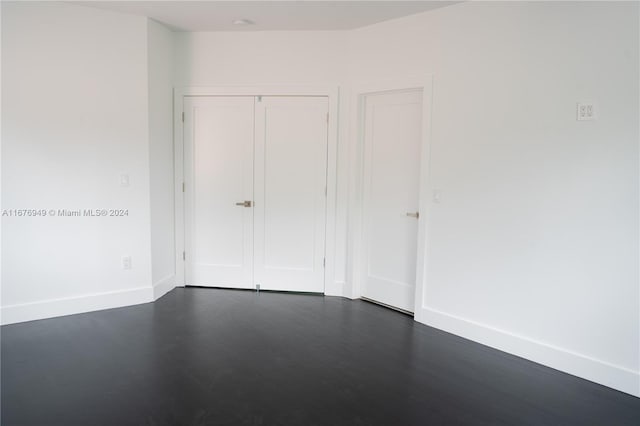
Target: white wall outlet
(126, 262)
(124, 179)
(585, 111)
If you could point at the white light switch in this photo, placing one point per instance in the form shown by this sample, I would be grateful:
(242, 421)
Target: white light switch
(124, 179)
(585, 111)
(437, 195)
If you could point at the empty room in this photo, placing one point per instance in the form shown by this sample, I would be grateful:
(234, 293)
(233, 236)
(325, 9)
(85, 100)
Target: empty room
(320, 213)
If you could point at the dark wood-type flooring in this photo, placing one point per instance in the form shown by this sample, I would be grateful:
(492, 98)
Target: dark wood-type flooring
(223, 357)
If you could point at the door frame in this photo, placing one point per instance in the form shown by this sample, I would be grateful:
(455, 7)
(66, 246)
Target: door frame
(356, 204)
(332, 93)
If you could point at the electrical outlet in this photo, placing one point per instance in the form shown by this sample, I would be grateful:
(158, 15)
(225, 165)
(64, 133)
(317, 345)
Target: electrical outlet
(126, 262)
(585, 111)
(124, 179)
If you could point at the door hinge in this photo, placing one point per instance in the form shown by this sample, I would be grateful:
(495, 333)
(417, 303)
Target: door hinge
(324, 262)
(184, 255)
(183, 186)
(325, 191)
(183, 116)
(327, 118)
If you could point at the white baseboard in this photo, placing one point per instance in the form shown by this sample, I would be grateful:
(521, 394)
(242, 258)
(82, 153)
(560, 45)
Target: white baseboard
(595, 370)
(349, 292)
(75, 305)
(335, 289)
(164, 286)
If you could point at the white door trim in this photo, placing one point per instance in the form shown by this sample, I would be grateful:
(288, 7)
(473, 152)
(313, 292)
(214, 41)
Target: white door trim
(355, 245)
(332, 93)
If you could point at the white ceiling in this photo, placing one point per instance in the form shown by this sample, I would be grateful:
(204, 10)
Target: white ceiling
(268, 15)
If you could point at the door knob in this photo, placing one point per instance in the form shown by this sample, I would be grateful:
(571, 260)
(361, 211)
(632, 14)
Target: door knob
(416, 215)
(244, 204)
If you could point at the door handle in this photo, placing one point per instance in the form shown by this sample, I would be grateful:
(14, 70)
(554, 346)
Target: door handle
(244, 204)
(416, 215)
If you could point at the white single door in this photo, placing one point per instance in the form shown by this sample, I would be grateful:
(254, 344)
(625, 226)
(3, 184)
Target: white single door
(290, 193)
(392, 139)
(219, 135)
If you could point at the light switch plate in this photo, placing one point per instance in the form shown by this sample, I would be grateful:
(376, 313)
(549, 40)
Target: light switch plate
(437, 196)
(585, 111)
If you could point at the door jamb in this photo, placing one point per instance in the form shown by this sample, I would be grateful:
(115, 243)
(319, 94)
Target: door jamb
(332, 93)
(355, 246)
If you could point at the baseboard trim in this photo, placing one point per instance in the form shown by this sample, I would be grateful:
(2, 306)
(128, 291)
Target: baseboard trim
(613, 376)
(164, 286)
(335, 289)
(74, 305)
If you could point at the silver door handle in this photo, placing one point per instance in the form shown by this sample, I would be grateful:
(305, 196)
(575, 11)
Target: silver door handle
(416, 215)
(244, 204)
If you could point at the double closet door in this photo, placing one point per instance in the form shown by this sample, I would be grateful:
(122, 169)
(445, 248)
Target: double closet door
(255, 191)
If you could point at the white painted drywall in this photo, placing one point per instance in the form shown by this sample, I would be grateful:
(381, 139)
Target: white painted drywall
(309, 58)
(534, 246)
(160, 57)
(259, 59)
(74, 116)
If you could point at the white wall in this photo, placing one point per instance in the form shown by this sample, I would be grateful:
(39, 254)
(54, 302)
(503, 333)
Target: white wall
(534, 247)
(259, 58)
(74, 116)
(160, 63)
(307, 58)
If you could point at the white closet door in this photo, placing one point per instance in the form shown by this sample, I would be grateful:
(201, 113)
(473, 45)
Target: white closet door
(219, 135)
(290, 198)
(392, 137)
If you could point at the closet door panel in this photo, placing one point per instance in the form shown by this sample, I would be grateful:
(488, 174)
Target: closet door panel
(219, 134)
(290, 173)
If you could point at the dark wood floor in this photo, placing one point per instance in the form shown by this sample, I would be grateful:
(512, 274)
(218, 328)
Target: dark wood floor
(222, 357)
